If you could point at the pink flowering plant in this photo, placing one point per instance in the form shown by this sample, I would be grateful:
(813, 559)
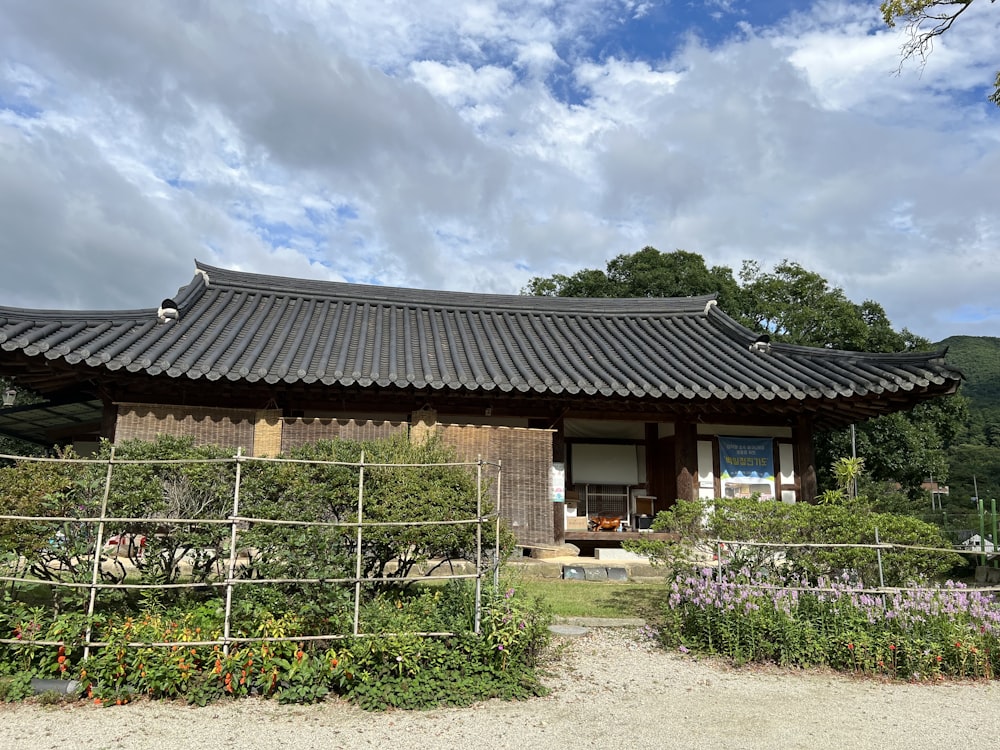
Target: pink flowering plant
(513, 628)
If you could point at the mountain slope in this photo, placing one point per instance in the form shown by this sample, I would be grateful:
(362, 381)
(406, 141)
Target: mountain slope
(977, 451)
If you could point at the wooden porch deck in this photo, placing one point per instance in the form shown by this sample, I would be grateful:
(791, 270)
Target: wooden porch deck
(615, 536)
(588, 541)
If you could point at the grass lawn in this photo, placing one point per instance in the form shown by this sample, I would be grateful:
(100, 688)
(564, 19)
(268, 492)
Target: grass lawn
(598, 599)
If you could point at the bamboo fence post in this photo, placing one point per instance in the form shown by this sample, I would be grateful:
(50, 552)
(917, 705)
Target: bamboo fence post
(993, 513)
(357, 558)
(233, 535)
(878, 555)
(496, 511)
(98, 547)
(479, 543)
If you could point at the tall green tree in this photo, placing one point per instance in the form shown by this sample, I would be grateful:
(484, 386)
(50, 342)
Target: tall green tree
(974, 455)
(974, 471)
(798, 306)
(925, 21)
(904, 448)
(647, 273)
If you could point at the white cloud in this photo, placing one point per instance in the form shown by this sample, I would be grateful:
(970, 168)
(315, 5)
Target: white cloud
(463, 87)
(473, 145)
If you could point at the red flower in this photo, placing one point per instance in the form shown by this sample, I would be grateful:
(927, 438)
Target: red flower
(892, 646)
(850, 646)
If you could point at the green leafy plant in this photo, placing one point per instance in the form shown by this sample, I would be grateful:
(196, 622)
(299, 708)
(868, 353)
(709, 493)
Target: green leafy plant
(933, 633)
(15, 687)
(57, 550)
(748, 520)
(184, 480)
(424, 645)
(410, 484)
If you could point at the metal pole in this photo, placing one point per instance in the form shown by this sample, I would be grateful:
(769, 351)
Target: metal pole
(357, 560)
(98, 547)
(233, 532)
(982, 530)
(993, 514)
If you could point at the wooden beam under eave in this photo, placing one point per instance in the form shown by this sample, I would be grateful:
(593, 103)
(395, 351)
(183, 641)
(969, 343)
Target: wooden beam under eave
(651, 440)
(686, 459)
(805, 460)
(109, 421)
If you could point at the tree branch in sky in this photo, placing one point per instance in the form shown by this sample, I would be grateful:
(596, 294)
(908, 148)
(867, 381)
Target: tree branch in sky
(926, 20)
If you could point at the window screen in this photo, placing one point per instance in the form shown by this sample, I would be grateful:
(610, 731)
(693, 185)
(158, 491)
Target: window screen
(601, 463)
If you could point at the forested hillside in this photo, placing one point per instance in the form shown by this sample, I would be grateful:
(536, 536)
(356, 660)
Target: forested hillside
(976, 451)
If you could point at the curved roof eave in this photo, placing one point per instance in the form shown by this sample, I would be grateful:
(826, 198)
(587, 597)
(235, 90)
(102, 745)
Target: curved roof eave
(257, 328)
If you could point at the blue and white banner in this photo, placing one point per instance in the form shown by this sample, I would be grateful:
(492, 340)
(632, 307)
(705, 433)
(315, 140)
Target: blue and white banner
(747, 466)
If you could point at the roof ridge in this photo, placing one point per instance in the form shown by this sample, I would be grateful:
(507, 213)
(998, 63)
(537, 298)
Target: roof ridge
(374, 294)
(748, 335)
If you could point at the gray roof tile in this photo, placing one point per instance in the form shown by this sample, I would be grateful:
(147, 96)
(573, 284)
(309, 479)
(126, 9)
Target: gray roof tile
(250, 327)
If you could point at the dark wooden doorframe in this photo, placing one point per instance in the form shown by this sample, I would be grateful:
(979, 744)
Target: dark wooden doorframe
(661, 481)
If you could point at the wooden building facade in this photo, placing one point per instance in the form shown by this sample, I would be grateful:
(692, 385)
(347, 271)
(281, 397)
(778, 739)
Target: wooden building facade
(603, 406)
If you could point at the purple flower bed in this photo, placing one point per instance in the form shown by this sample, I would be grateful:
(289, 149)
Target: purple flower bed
(930, 632)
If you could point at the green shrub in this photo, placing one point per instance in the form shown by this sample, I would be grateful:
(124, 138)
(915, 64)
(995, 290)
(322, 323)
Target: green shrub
(395, 666)
(51, 550)
(396, 490)
(407, 671)
(188, 481)
(751, 520)
(423, 648)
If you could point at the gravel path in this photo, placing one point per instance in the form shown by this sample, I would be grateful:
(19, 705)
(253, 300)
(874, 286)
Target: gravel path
(609, 690)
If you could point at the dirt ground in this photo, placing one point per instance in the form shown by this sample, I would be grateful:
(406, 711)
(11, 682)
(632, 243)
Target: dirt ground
(609, 689)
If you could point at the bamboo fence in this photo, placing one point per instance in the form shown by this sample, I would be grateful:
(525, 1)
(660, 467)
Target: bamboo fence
(229, 581)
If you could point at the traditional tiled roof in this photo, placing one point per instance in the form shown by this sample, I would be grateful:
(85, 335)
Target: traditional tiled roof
(249, 327)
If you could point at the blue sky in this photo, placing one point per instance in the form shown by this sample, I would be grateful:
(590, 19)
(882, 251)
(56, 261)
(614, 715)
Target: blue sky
(474, 145)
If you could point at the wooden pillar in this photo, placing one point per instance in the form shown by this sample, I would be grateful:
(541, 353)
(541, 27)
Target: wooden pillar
(686, 459)
(559, 523)
(267, 430)
(559, 457)
(109, 420)
(422, 425)
(652, 441)
(805, 461)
